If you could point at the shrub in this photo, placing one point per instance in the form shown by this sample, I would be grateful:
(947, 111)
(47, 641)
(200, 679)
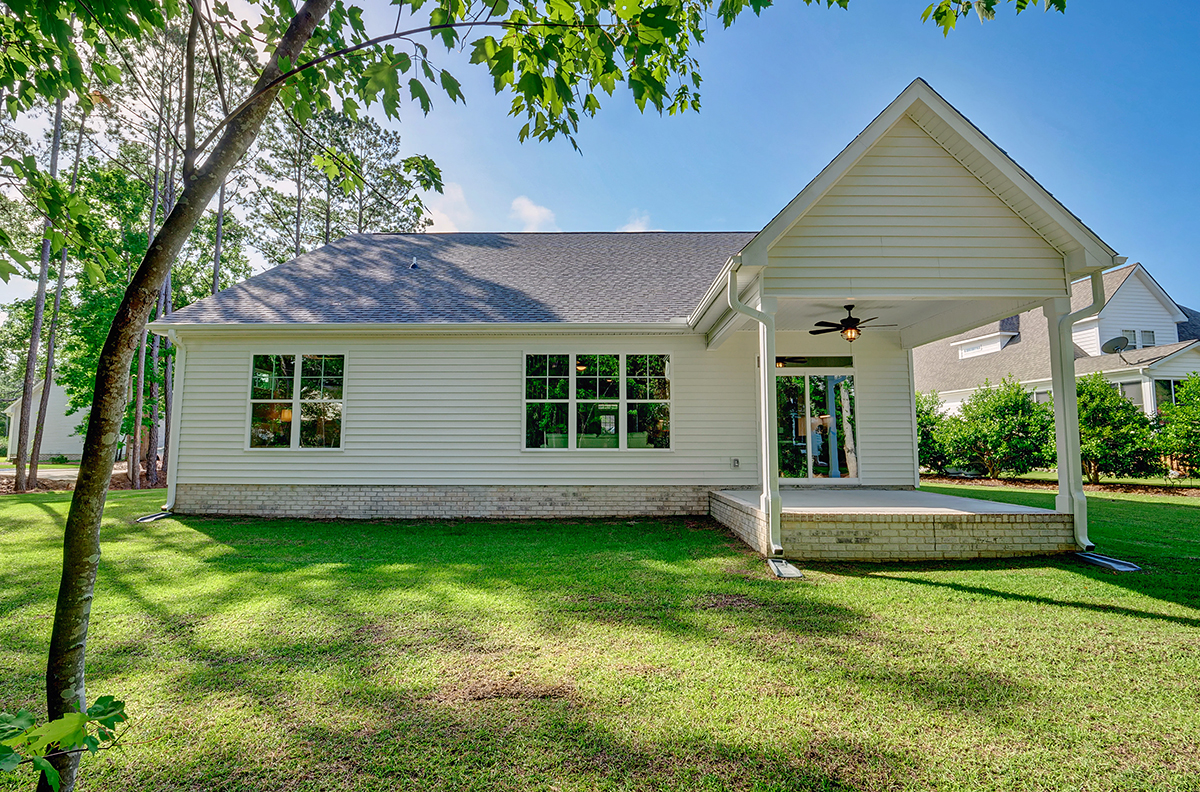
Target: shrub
(59, 459)
(1180, 435)
(929, 423)
(1115, 437)
(1000, 429)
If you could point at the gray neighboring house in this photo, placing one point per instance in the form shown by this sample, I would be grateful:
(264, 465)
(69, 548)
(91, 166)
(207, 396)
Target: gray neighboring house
(1163, 346)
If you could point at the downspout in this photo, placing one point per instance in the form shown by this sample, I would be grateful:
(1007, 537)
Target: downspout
(770, 502)
(176, 413)
(1071, 405)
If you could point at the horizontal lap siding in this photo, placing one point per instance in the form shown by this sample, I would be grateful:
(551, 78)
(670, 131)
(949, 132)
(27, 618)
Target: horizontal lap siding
(908, 220)
(429, 411)
(1134, 307)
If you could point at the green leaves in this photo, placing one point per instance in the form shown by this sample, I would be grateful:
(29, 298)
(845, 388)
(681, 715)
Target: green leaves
(946, 13)
(22, 740)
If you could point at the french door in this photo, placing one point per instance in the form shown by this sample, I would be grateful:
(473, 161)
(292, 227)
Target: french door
(817, 427)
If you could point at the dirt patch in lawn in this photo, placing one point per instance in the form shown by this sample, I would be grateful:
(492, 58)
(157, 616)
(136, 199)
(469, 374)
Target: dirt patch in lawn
(1178, 491)
(488, 688)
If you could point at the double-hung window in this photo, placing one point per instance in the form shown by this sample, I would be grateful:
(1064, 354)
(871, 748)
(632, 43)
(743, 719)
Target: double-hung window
(286, 387)
(596, 401)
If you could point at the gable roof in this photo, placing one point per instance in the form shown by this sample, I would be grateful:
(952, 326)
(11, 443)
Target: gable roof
(649, 277)
(1189, 328)
(978, 154)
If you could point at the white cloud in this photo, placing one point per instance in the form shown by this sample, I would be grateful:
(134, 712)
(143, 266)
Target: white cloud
(449, 210)
(638, 221)
(531, 216)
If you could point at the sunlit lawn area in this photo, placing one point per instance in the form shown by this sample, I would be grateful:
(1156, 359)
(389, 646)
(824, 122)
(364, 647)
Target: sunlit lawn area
(1051, 476)
(648, 654)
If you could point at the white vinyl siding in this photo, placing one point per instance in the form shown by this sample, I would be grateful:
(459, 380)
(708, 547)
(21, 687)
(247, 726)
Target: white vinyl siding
(59, 430)
(1133, 307)
(1086, 335)
(448, 410)
(908, 220)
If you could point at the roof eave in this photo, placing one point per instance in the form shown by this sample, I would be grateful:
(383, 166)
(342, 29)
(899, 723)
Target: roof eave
(427, 328)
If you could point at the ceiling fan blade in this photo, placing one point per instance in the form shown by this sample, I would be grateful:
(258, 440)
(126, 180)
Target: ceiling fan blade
(826, 330)
(862, 322)
(886, 325)
(827, 324)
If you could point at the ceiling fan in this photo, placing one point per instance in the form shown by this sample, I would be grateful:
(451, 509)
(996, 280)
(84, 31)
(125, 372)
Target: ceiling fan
(849, 327)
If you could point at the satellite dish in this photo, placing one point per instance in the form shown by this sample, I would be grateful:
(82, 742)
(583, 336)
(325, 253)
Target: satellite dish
(1115, 345)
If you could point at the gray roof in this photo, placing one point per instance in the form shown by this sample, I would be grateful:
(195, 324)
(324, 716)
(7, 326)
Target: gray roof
(561, 277)
(937, 366)
(1190, 328)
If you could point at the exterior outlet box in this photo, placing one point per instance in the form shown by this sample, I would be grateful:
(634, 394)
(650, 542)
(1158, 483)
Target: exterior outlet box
(735, 463)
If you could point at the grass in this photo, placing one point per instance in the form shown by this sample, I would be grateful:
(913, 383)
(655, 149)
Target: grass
(8, 467)
(1158, 481)
(613, 655)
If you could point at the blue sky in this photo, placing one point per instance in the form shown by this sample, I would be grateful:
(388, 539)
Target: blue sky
(1101, 105)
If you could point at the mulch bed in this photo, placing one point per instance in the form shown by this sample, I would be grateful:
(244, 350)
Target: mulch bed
(120, 481)
(1177, 490)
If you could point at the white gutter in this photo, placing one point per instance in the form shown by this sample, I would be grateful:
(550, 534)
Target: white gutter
(769, 501)
(670, 327)
(1074, 475)
(176, 408)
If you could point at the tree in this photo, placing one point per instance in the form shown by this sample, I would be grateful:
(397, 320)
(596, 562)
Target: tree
(1000, 429)
(554, 58)
(1115, 437)
(929, 423)
(1180, 436)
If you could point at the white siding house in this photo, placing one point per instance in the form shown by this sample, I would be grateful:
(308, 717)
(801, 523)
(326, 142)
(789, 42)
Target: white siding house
(552, 375)
(59, 438)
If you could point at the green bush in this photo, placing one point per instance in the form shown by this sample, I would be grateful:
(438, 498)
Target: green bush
(1180, 435)
(1115, 437)
(58, 459)
(1000, 430)
(929, 423)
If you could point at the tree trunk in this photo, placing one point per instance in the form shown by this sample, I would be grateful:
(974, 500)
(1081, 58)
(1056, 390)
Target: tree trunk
(299, 187)
(217, 243)
(48, 380)
(134, 463)
(168, 380)
(65, 680)
(152, 433)
(328, 206)
(35, 330)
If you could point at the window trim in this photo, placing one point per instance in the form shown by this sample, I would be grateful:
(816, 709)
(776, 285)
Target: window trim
(573, 402)
(294, 439)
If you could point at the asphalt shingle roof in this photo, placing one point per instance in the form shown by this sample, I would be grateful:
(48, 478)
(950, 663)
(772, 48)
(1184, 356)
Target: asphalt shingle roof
(560, 277)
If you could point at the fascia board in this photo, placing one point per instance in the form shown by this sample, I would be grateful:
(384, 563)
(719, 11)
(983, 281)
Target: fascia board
(1001, 334)
(457, 328)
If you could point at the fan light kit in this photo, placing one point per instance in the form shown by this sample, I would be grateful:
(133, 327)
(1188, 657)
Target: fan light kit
(850, 327)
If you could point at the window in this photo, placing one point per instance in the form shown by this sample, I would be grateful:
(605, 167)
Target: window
(1132, 336)
(596, 401)
(1164, 392)
(1043, 397)
(1132, 391)
(816, 425)
(1147, 338)
(276, 400)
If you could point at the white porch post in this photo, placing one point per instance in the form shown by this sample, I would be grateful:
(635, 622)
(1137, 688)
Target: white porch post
(768, 419)
(1071, 498)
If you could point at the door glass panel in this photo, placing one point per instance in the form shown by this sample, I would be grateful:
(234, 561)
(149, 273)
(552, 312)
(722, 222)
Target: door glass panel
(832, 431)
(791, 400)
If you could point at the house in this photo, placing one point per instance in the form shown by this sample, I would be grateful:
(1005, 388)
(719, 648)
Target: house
(595, 374)
(59, 438)
(1162, 337)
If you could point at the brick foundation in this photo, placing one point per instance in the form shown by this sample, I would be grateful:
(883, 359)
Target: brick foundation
(326, 501)
(748, 523)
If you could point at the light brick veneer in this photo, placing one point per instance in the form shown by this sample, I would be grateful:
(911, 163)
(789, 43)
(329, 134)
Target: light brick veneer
(325, 501)
(749, 523)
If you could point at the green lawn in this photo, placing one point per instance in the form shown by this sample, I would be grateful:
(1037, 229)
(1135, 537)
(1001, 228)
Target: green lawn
(1160, 481)
(649, 654)
(8, 468)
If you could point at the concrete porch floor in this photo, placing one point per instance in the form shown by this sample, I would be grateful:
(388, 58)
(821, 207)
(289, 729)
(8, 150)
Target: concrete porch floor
(852, 524)
(865, 501)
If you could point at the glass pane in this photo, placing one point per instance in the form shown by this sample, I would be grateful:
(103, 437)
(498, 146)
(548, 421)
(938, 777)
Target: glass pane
(649, 426)
(648, 377)
(1162, 393)
(596, 426)
(791, 403)
(535, 365)
(546, 425)
(636, 389)
(596, 377)
(1133, 392)
(271, 425)
(272, 377)
(560, 365)
(658, 365)
(635, 365)
(311, 366)
(320, 425)
(832, 427)
(535, 388)
(1147, 338)
(559, 388)
(332, 386)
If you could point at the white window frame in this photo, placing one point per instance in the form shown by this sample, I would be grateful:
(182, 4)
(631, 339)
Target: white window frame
(810, 480)
(1143, 339)
(572, 403)
(1133, 338)
(294, 439)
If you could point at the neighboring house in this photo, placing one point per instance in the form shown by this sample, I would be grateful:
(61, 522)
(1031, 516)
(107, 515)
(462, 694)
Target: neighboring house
(605, 374)
(60, 438)
(1162, 335)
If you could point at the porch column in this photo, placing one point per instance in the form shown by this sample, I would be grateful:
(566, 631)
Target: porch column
(1070, 498)
(768, 420)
